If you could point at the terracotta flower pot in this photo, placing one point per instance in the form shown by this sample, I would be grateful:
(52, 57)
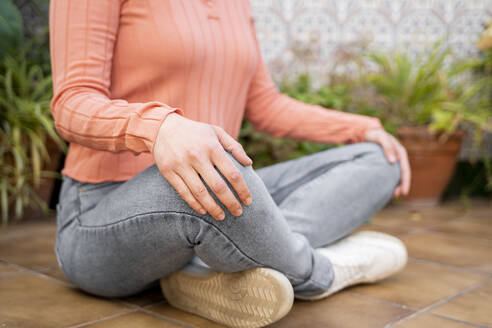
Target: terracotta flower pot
(432, 161)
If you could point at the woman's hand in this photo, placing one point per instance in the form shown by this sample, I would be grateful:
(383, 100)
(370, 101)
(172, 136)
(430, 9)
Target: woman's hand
(185, 149)
(394, 152)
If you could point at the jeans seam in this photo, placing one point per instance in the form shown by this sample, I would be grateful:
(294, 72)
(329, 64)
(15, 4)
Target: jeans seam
(86, 187)
(310, 177)
(199, 218)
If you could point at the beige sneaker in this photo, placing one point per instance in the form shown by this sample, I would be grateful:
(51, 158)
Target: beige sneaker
(363, 257)
(251, 298)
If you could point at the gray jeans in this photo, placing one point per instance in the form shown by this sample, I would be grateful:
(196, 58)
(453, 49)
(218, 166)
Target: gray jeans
(117, 238)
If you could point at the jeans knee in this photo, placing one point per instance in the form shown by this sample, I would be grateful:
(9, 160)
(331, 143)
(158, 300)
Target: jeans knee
(376, 158)
(396, 170)
(374, 150)
(251, 178)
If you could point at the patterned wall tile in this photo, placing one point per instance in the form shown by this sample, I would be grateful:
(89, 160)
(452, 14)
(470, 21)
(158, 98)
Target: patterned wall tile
(300, 34)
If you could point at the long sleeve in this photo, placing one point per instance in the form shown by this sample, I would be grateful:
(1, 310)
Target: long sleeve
(82, 38)
(279, 115)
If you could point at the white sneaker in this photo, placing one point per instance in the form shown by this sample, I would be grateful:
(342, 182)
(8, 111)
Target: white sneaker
(251, 298)
(363, 257)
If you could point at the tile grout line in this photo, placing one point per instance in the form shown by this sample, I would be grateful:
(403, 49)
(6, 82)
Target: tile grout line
(160, 316)
(410, 308)
(416, 230)
(439, 303)
(449, 266)
(37, 273)
(116, 315)
(429, 228)
(378, 300)
(457, 320)
(487, 276)
(465, 237)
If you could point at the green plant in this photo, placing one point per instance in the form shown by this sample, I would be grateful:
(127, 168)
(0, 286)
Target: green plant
(424, 92)
(25, 128)
(408, 91)
(335, 96)
(435, 92)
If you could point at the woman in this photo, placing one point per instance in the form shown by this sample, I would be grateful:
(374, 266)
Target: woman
(151, 94)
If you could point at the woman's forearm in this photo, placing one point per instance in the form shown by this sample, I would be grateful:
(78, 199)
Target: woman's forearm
(95, 121)
(282, 116)
(82, 36)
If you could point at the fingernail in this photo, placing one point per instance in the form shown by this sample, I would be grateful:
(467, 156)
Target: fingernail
(202, 211)
(238, 212)
(392, 158)
(221, 216)
(248, 201)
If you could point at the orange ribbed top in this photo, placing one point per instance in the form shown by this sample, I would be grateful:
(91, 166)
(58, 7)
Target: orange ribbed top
(120, 66)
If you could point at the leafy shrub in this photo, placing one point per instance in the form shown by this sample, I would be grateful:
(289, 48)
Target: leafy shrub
(25, 127)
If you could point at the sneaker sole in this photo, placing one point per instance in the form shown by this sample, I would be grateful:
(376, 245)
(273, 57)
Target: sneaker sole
(247, 299)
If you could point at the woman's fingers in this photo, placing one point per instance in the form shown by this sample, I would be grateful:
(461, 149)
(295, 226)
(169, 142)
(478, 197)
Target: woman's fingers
(200, 192)
(184, 192)
(406, 173)
(225, 165)
(393, 151)
(185, 150)
(402, 158)
(388, 148)
(219, 187)
(232, 146)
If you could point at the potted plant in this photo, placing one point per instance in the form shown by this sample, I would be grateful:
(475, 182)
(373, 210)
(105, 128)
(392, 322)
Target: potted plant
(427, 105)
(30, 149)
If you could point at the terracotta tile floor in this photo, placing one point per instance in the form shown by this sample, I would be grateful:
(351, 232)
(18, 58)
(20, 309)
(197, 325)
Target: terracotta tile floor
(447, 282)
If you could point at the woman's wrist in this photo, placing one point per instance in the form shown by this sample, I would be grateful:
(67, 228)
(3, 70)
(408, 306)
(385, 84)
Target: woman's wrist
(166, 121)
(369, 133)
(371, 125)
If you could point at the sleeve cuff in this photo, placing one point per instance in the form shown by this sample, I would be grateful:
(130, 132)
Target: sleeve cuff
(151, 144)
(368, 123)
(143, 130)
